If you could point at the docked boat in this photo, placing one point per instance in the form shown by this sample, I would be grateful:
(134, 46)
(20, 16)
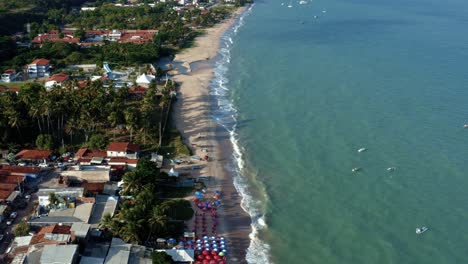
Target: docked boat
(421, 230)
(356, 169)
(361, 150)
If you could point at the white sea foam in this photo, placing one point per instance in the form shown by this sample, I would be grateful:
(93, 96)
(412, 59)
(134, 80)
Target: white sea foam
(226, 115)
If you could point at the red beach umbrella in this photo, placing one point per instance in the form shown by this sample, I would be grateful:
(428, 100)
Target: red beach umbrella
(205, 252)
(200, 257)
(208, 257)
(205, 261)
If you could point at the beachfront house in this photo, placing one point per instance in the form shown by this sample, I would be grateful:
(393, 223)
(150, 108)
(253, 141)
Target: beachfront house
(56, 79)
(39, 68)
(9, 75)
(123, 149)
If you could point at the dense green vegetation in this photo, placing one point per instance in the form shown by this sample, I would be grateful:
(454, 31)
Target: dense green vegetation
(72, 114)
(144, 216)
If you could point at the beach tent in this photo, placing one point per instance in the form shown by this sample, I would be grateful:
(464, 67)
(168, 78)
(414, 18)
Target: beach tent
(144, 79)
(173, 173)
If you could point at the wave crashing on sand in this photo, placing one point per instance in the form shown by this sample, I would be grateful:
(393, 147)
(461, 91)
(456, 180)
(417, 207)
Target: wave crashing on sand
(226, 115)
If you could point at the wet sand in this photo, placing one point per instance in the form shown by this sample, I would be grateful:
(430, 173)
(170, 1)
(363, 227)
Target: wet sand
(192, 116)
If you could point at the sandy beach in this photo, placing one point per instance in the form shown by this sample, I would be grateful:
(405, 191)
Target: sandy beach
(192, 116)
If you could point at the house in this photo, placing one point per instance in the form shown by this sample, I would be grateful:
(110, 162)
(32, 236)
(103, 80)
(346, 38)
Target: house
(121, 252)
(9, 75)
(29, 172)
(85, 156)
(123, 149)
(80, 231)
(20, 246)
(105, 204)
(59, 254)
(52, 234)
(67, 217)
(39, 68)
(94, 174)
(56, 79)
(125, 162)
(33, 155)
(43, 194)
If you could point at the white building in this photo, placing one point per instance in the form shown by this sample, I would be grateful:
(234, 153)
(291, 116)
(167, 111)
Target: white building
(9, 75)
(43, 194)
(39, 68)
(123, 149)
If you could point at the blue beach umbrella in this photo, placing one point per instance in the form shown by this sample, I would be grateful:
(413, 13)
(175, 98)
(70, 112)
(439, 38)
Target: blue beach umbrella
(181, 243)
(171, 240)
(190, 242)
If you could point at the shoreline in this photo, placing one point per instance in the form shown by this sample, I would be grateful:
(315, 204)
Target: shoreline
(193, 117)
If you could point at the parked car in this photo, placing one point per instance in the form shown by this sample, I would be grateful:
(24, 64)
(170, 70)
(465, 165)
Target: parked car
(43, 165)
(27, 197)
(9, 222)
(13, 215)
(22, 164)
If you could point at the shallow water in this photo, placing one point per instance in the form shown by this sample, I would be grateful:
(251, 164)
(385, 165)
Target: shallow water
(307, 92)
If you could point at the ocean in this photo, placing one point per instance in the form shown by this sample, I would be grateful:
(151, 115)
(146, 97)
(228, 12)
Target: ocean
(301, 89)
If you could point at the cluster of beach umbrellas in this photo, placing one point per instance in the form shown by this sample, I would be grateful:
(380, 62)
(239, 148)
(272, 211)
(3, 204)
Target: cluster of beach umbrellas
(205, 207)
(210, 250)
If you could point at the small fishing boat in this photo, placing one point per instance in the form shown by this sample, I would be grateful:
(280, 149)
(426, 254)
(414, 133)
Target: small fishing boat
(356, 169)
(421, 230)
(391, 168)
(361, 150)
(302, 2)
(465, 126)
(290, 4)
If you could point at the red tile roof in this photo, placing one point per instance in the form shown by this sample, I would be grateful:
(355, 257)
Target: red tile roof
(123, 147)
(33, 154)
(8, 186)
(14, 179)
(11, 89)
(4, 194)
(19, 169)
(94, 186)
(59, 77)
(41, 62)
(53, 229)
(137, 90)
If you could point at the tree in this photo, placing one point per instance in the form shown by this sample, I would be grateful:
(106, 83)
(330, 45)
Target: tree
(158, 219)
(97, 141)
(22, 229)
(107, 222)
(53, 199)
(44, 141)
(161, 258)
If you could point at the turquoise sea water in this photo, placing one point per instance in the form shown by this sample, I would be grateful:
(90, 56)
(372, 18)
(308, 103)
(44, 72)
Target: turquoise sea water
(306, 93)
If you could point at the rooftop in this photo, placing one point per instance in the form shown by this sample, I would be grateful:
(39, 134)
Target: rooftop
(123, 147)
(55, 254)
(33, 154)
(59, 77)
(41, 62)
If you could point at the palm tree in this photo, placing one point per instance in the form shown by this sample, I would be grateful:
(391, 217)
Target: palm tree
(158, 220)
(131, 182)
(107, 222)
